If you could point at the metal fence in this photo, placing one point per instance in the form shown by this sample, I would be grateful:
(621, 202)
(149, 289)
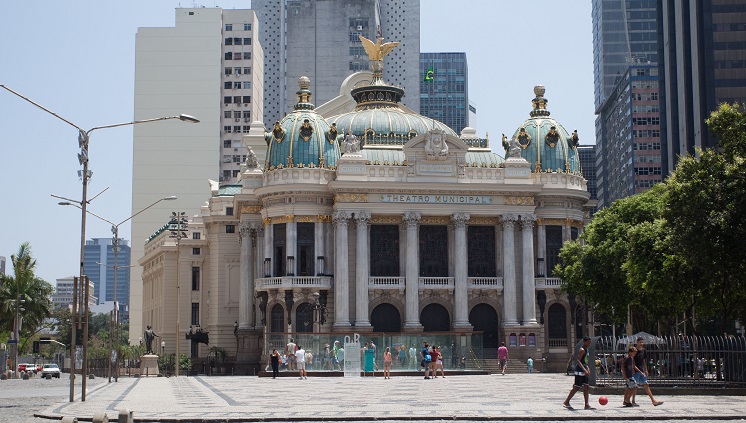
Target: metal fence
(686, 361)
(464, 352)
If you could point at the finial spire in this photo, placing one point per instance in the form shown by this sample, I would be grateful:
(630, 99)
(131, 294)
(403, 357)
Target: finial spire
(539, 103)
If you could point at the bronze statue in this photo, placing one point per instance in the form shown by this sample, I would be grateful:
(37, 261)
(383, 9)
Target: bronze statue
(149, 336)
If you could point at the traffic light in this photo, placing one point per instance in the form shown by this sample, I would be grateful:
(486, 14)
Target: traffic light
(35, 347)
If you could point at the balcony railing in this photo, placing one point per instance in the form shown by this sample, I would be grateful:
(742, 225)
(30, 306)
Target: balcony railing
(386, 282)
(549, 283)
(486, 283)
(557, 343)
(290, 282)
(436, 283)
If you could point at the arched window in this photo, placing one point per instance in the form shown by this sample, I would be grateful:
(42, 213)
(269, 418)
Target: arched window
(557, 321)
(385, 318)
(435, 318)
(277, 319)
(304, 318)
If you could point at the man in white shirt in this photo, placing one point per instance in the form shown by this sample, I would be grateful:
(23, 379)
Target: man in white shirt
(300, 362)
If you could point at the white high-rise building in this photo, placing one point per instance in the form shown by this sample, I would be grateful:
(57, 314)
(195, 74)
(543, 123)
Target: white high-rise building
(319, 39)
(209, 65)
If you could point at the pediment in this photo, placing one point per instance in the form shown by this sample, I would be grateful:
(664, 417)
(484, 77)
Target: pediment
(435, 145)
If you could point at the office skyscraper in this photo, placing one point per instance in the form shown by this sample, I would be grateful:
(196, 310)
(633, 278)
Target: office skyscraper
(319, 39)
(208, 65)
(703, 63)
(625, 57)
(446, 97)
(99, 267)
(587, 156)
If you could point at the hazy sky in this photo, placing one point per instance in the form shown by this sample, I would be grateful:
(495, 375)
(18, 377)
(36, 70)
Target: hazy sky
(77, 59)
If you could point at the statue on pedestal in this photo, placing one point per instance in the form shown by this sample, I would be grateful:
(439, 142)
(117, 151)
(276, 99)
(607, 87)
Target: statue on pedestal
(149, 336)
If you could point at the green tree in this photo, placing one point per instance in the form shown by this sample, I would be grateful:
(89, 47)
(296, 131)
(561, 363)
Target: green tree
(34, 292)
(705, 212)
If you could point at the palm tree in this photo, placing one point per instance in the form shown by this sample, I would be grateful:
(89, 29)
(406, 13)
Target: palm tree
(24, 284)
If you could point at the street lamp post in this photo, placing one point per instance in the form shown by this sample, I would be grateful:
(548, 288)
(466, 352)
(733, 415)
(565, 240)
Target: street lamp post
(115, 232)
(178, 225)
(83, 141)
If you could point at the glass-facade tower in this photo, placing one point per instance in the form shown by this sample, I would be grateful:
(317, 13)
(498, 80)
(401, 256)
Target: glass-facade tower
(445, 98)
(100, 267)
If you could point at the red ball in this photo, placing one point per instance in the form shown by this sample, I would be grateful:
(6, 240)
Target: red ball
(603, 400)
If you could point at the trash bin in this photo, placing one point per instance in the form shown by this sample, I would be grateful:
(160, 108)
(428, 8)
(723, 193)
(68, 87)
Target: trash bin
(369, 358)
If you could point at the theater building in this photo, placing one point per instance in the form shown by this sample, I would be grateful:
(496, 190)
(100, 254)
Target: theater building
(378, 220)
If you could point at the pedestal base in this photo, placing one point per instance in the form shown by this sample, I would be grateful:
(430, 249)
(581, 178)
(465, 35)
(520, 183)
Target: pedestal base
(149, 365)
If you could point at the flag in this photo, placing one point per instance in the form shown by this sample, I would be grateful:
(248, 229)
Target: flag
(429, 75)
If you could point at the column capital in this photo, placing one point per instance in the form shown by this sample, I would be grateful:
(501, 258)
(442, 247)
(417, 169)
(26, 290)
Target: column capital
(411, 218)
(509, 219)
(528, 220)
(459, 219)
(340, 218)
(259, 229)
(245, 230)
(362, 217)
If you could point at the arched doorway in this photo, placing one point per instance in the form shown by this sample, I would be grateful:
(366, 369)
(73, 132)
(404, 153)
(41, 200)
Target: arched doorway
(557, 327)
(435, 318)
(385, 318)
(277, 319)
(304, 318)
(484, 319)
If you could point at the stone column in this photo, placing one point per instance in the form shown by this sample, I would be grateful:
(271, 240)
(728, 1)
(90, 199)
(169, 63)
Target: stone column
(268, 238)
(529, 284)
(541, 238)
(362, 270)
(460, 272)
(258, 271)
(509, 283)
(341, 269)
(566, 231)
(318, 248)
(291, 243)
(412, 284)
(245, 291)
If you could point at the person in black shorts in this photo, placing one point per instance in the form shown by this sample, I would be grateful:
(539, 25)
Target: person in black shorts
(582, 371)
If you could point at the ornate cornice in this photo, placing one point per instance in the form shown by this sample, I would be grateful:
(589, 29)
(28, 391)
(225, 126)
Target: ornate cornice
(519, 201)
(387, 220)
(251, 209)
(323, 218)
(435, 220)
(350, 198)
(484, 221)
(560, 222)
(284, 219)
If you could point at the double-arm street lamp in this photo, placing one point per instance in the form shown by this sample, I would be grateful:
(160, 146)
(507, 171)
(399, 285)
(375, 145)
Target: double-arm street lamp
(83, 143)
(115, 232)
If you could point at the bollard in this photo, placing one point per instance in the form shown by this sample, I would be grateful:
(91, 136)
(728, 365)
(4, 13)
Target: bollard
(3, 377)
(125, 416)
(100, 417)
(91, 376)
(48, 376)
(69, 419)
(25, 376)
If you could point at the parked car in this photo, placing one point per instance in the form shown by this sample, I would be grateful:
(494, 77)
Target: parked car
(51, 369)
(31, 368)
(22, 367)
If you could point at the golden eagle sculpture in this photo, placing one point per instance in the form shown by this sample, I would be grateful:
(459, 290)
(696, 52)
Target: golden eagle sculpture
(376, 52)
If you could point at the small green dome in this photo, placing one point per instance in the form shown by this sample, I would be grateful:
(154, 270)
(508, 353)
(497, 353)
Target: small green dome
(379, 119)
(544, 142)
(303, 138)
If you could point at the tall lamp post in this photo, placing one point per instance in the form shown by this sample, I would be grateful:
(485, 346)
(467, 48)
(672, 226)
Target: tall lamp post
(178, 226)
(115, 232)
(83, 140)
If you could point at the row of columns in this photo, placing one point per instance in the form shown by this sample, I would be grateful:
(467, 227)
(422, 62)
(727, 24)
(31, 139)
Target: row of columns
(254, 235)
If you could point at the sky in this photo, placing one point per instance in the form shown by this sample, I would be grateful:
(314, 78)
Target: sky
(76, 58)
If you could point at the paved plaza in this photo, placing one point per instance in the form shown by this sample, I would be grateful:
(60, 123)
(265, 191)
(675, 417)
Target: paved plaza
(513, 397)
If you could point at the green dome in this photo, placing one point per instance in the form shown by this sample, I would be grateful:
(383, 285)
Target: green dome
(303, 138)
(379, 120)
(544, 142)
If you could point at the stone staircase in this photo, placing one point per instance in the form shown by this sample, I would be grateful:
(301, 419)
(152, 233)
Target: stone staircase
(492, 366)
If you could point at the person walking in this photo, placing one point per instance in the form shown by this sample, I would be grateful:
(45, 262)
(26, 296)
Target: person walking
(439, 364)
(387, 359)
(503, 356)
(426, 359)
(530, 364)
(641, 374)
(582, 371)
(274, 361)
(628, 372)
(300, 362)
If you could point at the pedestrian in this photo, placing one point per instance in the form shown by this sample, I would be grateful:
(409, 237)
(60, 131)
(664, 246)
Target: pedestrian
(628, 372)
(426, 359)
(309, 360)
(274, 361)
(641, 374)
(433, 360)
(582, 371)
(290, 350)
(439, 364)
(326, 357)
(413, 356)
(503, 356)
(300, 362)
(402, 356)
(387, 359)
(530, 364)
(335, 356)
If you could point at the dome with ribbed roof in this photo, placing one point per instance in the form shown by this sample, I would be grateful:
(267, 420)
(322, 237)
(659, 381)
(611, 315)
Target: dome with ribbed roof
(303, 138)
(544, 142)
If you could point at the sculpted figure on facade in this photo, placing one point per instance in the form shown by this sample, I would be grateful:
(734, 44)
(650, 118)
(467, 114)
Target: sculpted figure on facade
(436, 147)
(352, 144)
(251, 160)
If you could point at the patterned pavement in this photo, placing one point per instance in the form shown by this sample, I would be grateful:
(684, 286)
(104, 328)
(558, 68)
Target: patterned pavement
(479, 398)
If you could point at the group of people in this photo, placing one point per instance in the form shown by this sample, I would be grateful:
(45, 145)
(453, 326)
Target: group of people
(634, 370)
(432, 361)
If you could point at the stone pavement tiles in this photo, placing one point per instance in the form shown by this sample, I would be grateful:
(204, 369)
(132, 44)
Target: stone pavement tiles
(490, 397)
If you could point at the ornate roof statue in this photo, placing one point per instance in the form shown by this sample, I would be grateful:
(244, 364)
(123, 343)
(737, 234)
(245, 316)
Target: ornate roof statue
(376, 52)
